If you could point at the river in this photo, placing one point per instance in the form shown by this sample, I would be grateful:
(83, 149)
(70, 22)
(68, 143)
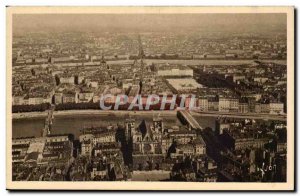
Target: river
(27, 127)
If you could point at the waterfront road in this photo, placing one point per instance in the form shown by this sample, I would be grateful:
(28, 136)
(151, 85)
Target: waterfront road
(280, 117)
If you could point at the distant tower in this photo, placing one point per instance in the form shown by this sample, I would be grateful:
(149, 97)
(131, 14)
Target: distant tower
(103, 62)
(129, 128)
(141, 51)
(141, 54)
(142, 68)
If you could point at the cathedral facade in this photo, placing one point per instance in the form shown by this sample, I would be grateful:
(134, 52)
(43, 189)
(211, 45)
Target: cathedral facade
(146, 138)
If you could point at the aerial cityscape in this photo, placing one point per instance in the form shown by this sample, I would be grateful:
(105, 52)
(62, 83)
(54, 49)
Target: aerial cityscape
(121, 97)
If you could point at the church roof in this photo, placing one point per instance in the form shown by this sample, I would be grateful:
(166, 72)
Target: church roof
(145, 129)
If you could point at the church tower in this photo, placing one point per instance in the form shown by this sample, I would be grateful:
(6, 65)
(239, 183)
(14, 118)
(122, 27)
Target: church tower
(129, 128)
(157, 125)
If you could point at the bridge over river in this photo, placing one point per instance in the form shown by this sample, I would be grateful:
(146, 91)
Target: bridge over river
(186, 117)
(48, 121)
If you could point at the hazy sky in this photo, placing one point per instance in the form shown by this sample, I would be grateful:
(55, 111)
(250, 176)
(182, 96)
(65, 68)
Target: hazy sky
(148, 22)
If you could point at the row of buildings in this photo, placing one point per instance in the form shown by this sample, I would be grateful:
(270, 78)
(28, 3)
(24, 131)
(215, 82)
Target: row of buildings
(256, 150)
(70, 47)
(71, 86)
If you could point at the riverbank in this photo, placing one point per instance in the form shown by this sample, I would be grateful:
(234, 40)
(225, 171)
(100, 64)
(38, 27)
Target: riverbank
(92, 112)
(116, 113)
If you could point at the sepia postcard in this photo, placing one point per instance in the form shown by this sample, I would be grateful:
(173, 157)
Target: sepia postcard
(150, 98)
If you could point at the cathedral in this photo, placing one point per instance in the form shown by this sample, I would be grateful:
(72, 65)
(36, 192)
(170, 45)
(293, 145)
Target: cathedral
(146, 138)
